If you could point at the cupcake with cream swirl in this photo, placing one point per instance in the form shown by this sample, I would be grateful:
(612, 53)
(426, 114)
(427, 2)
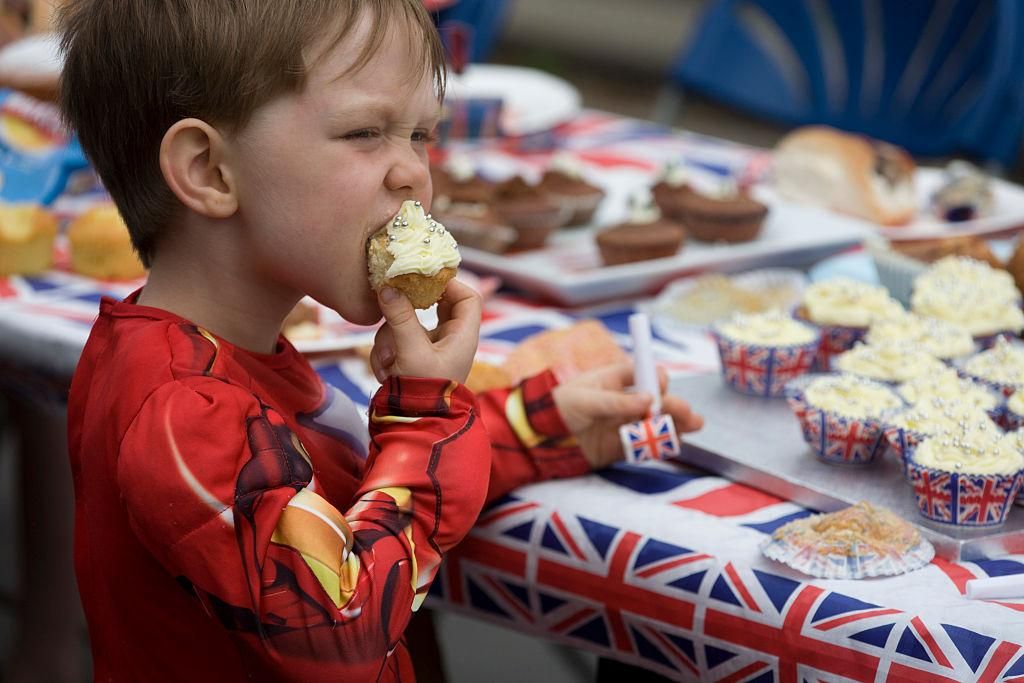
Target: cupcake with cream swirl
(760, 353)
(842, 417)
(942, 339)
(893, 362)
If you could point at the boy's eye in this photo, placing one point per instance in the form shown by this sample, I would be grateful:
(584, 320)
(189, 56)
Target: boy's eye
(424, 136)
(364, 134)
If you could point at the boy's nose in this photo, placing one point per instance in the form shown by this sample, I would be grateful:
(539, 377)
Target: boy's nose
(408, 173)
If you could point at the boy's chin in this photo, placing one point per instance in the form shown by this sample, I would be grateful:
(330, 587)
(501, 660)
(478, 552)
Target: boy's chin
(365, 312)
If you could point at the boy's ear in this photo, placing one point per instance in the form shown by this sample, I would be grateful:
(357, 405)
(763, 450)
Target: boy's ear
(192, 161)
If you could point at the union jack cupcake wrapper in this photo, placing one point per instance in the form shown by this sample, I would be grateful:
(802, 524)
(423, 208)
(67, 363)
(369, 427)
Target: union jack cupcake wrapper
(861, 563)
(902, 442)
(836, 339)
(763, 370)
(835, 438)
(987, 341)
(961, 499)
(652, 439)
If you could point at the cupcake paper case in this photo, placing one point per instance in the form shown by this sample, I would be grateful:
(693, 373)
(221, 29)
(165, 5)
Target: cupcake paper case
(855, 543)
(960, 499)
(835, 438)
(761, 369)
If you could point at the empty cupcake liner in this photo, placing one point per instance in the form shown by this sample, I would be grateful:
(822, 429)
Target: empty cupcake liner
(862, 561)
(961, 499)
(834, 438)
(760, 370)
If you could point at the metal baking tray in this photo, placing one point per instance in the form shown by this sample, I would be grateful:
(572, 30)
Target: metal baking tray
(757, 441)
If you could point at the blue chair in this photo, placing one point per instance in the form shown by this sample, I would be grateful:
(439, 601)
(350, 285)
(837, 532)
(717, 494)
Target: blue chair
(484, 17)
(935, 76)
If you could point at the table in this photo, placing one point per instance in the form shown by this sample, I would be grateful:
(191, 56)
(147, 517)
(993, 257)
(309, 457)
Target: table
(655, 564)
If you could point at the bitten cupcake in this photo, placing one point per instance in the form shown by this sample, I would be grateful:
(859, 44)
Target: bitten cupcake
(842, 416)
(972, 294)
(892, 363)
(943, 340)
(844, 309)
(1000, 367)
(565, 183)
(969, 479)
(646, 235)
(760, 353)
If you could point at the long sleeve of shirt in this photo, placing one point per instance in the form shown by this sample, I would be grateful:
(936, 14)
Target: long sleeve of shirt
(307, 590)
(528, 436)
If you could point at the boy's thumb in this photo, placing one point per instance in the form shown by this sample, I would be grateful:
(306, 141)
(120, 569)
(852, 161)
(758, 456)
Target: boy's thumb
(399, 313)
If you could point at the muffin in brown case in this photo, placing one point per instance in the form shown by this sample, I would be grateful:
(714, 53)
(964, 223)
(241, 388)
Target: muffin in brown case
(530, 210)
(631, 242)
(734, 219)
(564, 181)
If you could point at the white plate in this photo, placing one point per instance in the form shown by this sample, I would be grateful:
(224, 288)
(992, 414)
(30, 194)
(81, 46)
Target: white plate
(1007, 214)
(533, 101)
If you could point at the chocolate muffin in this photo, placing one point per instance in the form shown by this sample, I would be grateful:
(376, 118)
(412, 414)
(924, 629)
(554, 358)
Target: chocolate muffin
(529, 210)
(737, 218)
(629, 242)
(565, 183)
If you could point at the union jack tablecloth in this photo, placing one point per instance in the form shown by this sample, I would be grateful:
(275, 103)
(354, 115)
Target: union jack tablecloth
(653, 564)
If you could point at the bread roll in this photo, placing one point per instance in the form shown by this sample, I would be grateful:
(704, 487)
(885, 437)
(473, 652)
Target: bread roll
(27, 232)
(851, 174)
(101, 246)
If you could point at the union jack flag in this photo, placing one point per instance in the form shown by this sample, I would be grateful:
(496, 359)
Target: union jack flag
(652, 439)
(745, 368)
(688, 615)
(985, 500)
(933, 491)
(788, 363)
(851, 442)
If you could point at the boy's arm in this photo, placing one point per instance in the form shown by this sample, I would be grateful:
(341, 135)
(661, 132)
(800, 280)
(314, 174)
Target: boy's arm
(223, 494)
(529, 438)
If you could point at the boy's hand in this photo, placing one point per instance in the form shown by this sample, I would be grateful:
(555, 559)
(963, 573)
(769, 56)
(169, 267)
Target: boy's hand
(594, 405)
(403, 347)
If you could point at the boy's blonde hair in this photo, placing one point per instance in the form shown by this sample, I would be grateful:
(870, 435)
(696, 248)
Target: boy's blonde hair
(135, 67)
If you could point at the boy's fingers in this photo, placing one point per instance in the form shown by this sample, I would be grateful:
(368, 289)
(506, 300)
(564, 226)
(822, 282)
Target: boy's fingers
(400, 317)
(616, 405)
(459, 301)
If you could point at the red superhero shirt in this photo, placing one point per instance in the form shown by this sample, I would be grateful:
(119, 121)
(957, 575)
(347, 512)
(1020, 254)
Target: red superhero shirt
(232, 523)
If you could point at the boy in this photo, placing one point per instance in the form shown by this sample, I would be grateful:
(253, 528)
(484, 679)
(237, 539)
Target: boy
(231, 521)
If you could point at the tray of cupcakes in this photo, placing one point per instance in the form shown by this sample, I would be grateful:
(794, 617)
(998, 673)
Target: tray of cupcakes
(849, 398)
(579, 234)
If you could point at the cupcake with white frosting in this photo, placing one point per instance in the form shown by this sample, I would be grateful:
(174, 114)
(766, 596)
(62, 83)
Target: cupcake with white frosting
(1000, 367)
(844, 309)
(842, 417)
(1014, 440)
(968, 478)
(935, 417)
(893, 363)
(942, 339)
(970, 293)
(761, 352)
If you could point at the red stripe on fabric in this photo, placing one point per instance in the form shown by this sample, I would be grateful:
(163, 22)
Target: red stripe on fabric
(617, 573)
(659, 568)
(999, 661)
(599, 589)
(616, 160)
(789, 644)
(509, 598)
(501, 514)
(929, 641)
(958, 574)
(6, 290)
(567, 537)
(729, 501)
(737, 583)
(748, 670)
(573, 620)
(1011, 605)
(836, 623)
(902, 672)
(670, 649)
(492, 554)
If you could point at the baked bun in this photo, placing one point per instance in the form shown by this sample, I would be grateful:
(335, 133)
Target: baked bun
(26, 239)
(32, 65)
(413, 253)
(101, 247)
(848, 173)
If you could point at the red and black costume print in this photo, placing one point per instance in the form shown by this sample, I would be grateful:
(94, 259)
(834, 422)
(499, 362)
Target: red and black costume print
(233, 521)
